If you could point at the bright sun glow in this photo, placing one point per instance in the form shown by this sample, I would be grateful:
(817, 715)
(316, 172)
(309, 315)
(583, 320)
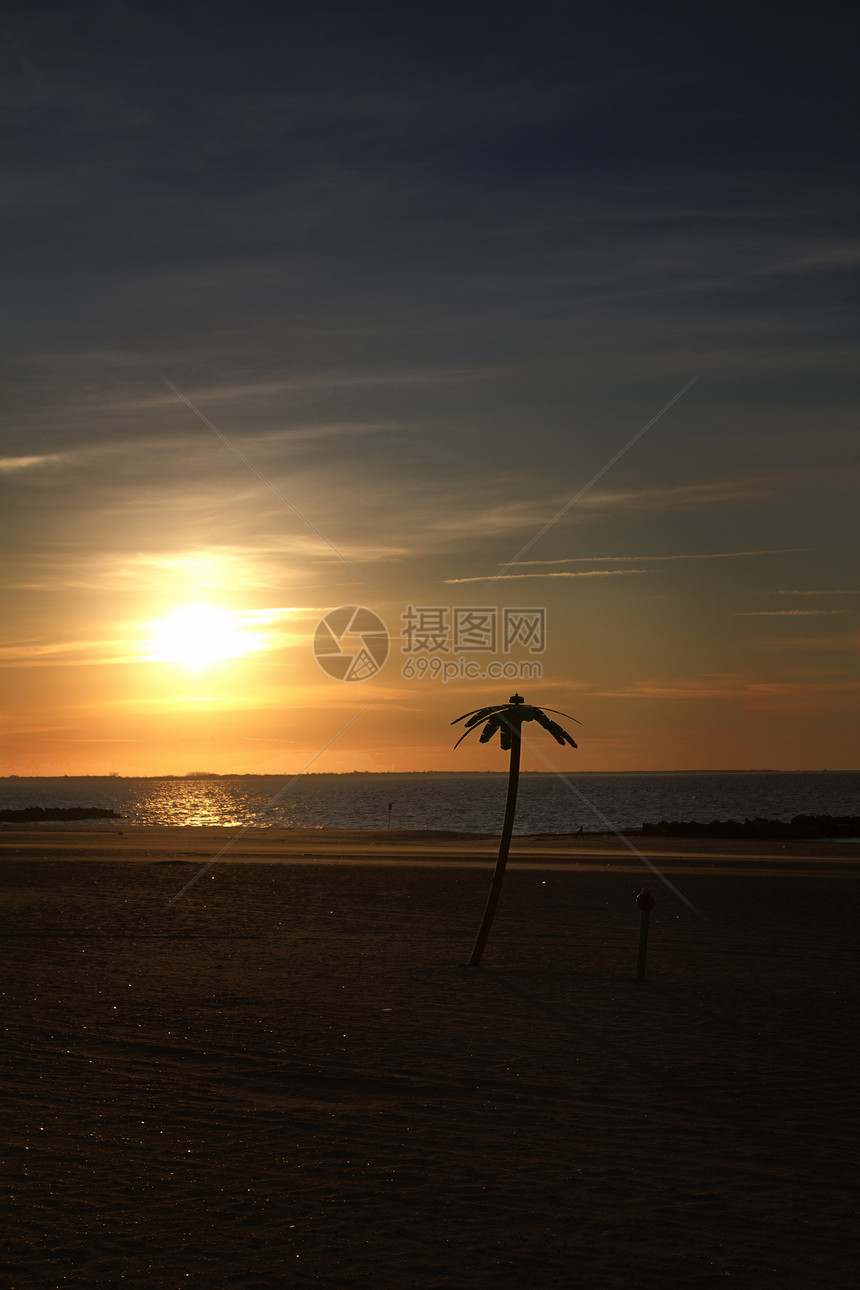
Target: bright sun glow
(199, 636)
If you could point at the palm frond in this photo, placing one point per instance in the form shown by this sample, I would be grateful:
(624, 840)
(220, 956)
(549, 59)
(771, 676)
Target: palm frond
(563, 714)
(508, 719)
(494, 724)
(479, 717)
(479, 713)
(559, 735)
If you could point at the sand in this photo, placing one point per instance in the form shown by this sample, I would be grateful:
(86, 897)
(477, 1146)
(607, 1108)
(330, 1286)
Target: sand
(288, 1077)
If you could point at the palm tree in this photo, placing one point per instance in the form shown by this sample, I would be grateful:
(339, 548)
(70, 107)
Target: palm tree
(507, 718)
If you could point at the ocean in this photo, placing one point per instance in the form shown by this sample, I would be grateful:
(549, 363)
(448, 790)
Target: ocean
(467, 802)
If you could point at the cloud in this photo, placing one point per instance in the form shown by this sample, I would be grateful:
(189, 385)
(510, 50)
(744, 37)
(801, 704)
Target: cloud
(618, 559)
(585, 573)
(678, 496)
(709, 555)
(731, 688)
(132, 648)
(227, 569)
(9, 465)
(66, 653)
(788, 613)
(515, 516)
(813, 593)
(147, 394)
(840, 644)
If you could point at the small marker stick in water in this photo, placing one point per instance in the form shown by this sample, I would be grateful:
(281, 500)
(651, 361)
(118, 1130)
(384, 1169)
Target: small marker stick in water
(646, 902)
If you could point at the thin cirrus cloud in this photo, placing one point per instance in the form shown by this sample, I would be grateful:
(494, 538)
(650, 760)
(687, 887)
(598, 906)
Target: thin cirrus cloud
(11, 465)
(220, 570)
(788, 613)
(269, 629)
(671, 498)
(620, 559)
(706, 555)
(154, 398)
(732, 687)
(832, 644)
(65, 653)
(583, 573)
(678, 496)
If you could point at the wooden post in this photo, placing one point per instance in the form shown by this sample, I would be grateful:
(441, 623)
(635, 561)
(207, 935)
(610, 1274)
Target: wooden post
(646, 902)
(504, 847)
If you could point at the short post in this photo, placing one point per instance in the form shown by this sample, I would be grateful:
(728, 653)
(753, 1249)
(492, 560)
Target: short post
(646, 903)
(388, 825)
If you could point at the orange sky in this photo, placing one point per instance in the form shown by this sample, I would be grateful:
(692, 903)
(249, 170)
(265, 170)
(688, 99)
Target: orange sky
(314, 312)
(129, 676)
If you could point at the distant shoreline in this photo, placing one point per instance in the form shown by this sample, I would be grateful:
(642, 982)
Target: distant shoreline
(342, 774)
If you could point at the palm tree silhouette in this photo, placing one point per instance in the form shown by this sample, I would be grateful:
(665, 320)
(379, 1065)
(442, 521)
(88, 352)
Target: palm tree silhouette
(507, 718)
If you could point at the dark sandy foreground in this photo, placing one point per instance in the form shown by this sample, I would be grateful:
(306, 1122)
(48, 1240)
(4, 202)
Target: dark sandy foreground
(287, 1078)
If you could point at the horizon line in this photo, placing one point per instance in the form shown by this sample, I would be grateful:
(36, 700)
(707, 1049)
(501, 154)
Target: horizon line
(274, 774)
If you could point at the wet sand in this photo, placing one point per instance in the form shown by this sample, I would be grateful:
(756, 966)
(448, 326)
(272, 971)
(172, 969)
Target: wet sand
(288, 1077)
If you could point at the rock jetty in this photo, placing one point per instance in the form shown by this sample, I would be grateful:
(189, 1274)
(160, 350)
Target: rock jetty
(43, 814)
(800, 827)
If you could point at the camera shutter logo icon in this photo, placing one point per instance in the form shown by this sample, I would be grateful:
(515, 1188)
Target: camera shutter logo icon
(351, 643)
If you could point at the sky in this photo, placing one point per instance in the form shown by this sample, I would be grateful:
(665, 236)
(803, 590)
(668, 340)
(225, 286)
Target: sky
(530, 332)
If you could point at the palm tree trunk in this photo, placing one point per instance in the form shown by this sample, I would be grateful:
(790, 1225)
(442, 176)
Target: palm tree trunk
(504, 847)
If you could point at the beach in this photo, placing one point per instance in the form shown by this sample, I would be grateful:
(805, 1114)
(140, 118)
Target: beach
(285, 1075)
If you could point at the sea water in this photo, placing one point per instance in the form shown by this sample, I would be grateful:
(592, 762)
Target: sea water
(461, 802)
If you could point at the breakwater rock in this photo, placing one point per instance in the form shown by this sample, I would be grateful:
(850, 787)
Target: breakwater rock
(43, 814)
(801, 826)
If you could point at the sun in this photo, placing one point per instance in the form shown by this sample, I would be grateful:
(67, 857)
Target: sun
(198, 637)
